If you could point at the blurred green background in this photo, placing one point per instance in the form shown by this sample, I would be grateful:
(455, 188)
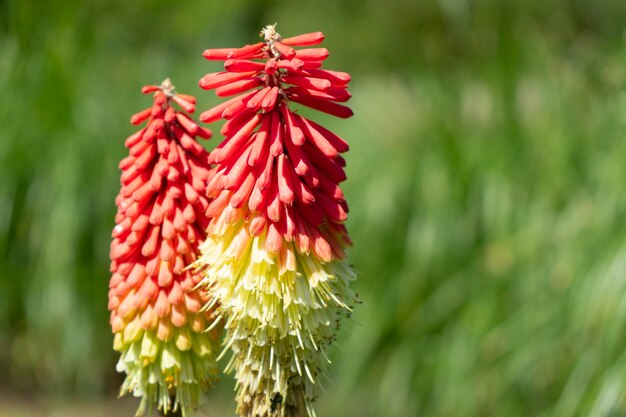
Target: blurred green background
(486, 184)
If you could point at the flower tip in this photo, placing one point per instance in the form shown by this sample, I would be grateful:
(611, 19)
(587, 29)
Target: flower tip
(269, 33)
(147, 89)
(167, 87)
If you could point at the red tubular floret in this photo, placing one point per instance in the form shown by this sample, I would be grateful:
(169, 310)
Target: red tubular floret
(332, 94)
(335, 141)
(286, 51)
(147, 89)
(307, 82)
(215, 113)
(255, 101)
(325, 106)
(233, 125)
(187, 105)
(312, 54)
(259, 145)
(221, 54)
(218, 79)
(238, 87)
(291, 65)
(242, 65)
(285, 188)
(269, 101)
(138, 118)
(276, 147)
(188, 124)
(236, 141)
(237, 107)
(293, 130)
(306, 39)
(312, 64)
(335, 77)
(333, 171)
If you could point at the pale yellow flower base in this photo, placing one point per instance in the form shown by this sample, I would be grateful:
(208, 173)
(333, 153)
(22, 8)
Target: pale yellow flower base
(281, 311)
(170, 375)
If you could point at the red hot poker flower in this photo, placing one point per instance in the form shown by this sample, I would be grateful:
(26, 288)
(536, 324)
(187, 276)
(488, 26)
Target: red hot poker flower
(274, 253)
(261, 127)
(155, 313)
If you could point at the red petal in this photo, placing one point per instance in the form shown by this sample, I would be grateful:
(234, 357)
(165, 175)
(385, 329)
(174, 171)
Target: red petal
(165, 275)
(335, 77)
(292, 129)
(215, 113)
(237, 172)
(217, 205)
(188, 124)
(325, 106)
(263, 180)
(312, 54)
(273, 208)
(274, 241)
(305, 39)
(270, 99)
(327, 166)
(291, 65)
(204, 133)
(236, 141)
(218, 79)
(259, 145)
(221, 54)
(238, 87)
(137, 118)
(239, 106)
(134, 138)
(149, 247)
(300, 162)
(276, 147)
(236, 123)
(150, 89)
(332, 94)
(285, 189)
(257, 225)
(312, 64)
(322, 133)
(285, 50)
(242, 65)
(255, 102)
(189, 98)
(241, 196)
(321, 247)
(188, 106)
(307, 82)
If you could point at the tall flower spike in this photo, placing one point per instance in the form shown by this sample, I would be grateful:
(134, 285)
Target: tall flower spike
(156, 315)
(274, 253)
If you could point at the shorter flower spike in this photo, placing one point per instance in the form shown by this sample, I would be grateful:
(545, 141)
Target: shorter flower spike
(156, 314)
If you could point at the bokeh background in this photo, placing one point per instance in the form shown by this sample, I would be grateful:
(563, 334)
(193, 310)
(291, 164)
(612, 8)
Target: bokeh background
(487, 178)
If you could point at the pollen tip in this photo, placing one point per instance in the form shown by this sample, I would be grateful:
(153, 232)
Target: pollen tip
(269, 33)
(167, 87)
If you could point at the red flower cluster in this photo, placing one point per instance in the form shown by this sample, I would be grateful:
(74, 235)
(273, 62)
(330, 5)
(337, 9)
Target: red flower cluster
(274, 160)
(155, 312)
(274, 252)
(160, 218)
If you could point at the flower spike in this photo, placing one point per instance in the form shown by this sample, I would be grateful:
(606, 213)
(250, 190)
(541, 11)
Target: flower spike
(156, 315)
(274, 256)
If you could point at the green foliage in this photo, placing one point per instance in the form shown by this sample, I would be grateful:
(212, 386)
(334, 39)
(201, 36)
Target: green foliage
(485, 182)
